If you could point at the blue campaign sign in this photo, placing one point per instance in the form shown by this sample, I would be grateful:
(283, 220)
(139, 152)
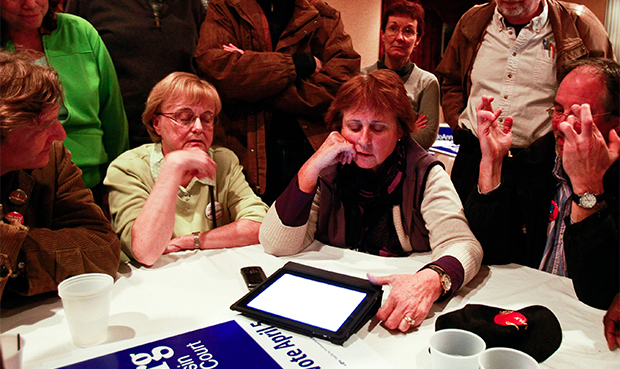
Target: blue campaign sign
(224, 345)
(445, 143)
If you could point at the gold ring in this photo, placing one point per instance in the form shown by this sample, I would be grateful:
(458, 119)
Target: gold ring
(409, 320)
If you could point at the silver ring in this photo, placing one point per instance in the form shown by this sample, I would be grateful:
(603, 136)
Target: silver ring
(409, 320)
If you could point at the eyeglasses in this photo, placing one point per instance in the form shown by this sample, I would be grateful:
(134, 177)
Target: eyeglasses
(555, 114)
(394, 31)
(186, 118)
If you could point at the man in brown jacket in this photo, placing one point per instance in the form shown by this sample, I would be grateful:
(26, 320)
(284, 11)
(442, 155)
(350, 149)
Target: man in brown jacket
(50, 226)
(277, 65)
(513, 52)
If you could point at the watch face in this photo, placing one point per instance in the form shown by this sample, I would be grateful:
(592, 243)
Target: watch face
(587, 200)
(446, 283)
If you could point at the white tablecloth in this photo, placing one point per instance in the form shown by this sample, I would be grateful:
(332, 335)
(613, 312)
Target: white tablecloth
(190, 290)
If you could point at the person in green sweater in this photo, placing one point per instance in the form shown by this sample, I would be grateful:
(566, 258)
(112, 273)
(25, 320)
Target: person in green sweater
(92, 112)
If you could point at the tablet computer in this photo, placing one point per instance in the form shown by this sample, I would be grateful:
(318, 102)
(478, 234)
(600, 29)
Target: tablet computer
(313, 301)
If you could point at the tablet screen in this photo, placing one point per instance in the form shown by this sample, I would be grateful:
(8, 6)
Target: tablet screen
(308, 301)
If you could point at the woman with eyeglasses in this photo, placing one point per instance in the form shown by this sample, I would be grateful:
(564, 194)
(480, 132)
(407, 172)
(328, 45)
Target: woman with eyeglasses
(180, 193)
(402, 28)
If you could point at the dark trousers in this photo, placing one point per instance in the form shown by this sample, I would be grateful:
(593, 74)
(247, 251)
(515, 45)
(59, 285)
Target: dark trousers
(100, 194)
(287, 150)
(466, 164)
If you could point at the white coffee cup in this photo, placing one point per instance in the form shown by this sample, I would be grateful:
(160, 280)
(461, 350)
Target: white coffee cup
(506, 358)
(12, 345)
(86, 300)
(456, 349)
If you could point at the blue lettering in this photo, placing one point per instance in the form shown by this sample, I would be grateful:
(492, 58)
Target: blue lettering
(280, 338)
(213, 365)
(306, 363)
(284, 344)
(299, 358)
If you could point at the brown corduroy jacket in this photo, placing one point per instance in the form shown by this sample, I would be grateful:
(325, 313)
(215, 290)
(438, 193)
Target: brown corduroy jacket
(64, 233)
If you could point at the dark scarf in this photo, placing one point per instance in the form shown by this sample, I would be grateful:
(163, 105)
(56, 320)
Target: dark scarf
(403, 72)
(368, 198)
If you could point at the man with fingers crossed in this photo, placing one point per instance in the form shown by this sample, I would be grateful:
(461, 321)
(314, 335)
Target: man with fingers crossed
(553, 205)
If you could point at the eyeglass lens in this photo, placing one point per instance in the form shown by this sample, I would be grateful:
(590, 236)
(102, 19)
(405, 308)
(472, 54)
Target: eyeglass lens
(187, 117)
(394, 31)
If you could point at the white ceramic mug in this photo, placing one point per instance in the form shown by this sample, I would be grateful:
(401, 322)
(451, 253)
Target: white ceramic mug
(506, 358)
(456, 349)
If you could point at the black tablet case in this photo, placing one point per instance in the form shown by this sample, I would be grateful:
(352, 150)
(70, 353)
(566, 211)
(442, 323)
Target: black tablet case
(364, 312)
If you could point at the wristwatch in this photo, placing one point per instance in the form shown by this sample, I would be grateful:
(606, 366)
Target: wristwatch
(588, 200)
(446, 282)
(196, 240)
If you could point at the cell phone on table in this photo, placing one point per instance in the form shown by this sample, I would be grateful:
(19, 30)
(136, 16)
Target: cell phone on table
(253, 276)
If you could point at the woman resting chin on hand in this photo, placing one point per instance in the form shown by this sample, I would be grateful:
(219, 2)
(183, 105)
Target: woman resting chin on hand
(377, 191)
(180, 193)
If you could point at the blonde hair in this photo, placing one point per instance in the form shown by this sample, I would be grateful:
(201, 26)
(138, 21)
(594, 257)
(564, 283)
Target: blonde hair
(178, 86)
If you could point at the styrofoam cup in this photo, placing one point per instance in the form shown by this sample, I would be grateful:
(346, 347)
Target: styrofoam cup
(506, 358)
(11, 350)
(86, 300)
(455, 349)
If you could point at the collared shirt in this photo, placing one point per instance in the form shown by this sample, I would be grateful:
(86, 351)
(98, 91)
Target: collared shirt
(131, 178)
(157, 160)
(554, 260)
(519, 71)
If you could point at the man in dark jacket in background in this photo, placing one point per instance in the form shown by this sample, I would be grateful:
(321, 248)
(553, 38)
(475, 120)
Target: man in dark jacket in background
(277, 65)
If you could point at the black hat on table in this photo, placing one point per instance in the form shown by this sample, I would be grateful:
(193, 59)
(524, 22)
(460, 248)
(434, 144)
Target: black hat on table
(534, 329)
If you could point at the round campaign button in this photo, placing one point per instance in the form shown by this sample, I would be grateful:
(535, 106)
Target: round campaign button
(553, 211)
(509, 317)
(18, 197)
(15, 216)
